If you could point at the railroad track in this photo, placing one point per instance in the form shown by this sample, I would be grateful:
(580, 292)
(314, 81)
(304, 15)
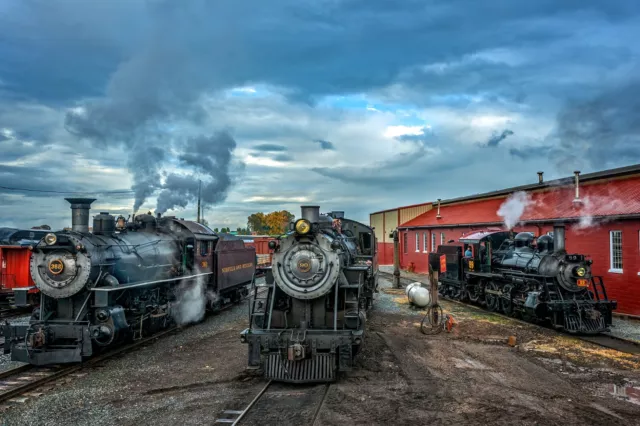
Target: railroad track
(604, 340)
(23, 380)
(299, 404)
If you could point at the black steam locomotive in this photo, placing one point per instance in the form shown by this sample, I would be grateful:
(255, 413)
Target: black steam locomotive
(122, 281)
(308, 322)
(541, 283)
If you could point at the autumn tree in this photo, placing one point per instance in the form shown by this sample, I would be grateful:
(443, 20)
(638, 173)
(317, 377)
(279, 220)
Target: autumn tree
(256, 222)
(278, 222)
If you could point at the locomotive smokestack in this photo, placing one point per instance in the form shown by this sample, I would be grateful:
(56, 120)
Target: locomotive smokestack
(558, 237)
(540, 180)
(311, 213)
(80, 213)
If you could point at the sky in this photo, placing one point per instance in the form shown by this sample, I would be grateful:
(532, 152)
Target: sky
(351, 105)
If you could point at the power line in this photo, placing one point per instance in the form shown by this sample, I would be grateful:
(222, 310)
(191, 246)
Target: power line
(65, 192)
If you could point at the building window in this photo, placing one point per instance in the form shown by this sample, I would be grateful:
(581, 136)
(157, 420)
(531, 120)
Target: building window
(406, 242)
(441, 238)
(417, 242)
(433, 241)
(425, 242)
(615, 250)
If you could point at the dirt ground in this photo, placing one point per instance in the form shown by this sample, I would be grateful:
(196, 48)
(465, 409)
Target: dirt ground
(467, 377)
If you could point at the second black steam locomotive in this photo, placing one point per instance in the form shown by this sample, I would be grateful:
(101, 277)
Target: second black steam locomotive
(124, 280)
(542, 283)
(307, 322)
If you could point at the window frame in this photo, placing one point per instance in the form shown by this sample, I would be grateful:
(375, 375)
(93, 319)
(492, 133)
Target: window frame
(433, 241)
(442, 238)
(612, 265)
(425, 242)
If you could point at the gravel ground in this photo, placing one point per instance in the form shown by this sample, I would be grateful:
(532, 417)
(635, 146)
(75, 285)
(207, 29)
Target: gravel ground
(626, 329)
(621, 328)
(467, 377)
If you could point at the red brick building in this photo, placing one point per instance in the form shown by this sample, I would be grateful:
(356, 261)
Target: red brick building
(601, 212)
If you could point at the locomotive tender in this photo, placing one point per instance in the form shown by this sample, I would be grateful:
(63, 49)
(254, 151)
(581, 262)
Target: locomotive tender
(307, 321)
(123, 281)
(541, 284)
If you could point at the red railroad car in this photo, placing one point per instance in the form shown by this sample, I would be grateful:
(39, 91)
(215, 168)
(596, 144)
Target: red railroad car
(263, 253)
(15, 256)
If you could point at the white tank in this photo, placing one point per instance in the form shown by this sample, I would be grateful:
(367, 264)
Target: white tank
(410, 286)
(418, 295)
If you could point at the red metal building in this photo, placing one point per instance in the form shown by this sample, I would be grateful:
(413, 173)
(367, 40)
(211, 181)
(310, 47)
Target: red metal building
(600, 210)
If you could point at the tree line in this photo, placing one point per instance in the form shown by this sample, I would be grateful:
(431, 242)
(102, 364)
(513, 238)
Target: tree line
(274, 223)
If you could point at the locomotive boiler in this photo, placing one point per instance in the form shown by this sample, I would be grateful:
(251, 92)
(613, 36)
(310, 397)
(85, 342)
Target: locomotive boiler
(307, 321)
(122, 281)
(541, 283)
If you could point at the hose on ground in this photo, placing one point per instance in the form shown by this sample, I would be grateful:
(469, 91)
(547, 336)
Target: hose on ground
(433, 321)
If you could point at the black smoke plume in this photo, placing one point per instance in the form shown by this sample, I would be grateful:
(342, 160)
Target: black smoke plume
(211, 158)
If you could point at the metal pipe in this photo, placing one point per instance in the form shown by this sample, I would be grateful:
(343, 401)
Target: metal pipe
(577, 180)
(438, 215)
(396, 259)
(540, 180)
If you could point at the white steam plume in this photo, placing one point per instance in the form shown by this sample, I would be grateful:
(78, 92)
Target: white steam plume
(191, 302)
(514, 207)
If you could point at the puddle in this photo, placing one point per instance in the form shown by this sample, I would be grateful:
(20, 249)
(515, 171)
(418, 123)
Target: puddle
(626, 392)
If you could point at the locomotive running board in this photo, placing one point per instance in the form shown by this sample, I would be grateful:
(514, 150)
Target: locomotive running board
(320, 368)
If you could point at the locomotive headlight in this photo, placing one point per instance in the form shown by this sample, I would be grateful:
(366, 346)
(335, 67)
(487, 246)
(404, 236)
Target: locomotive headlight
(581, 271)
(50, 239)
(303, 226)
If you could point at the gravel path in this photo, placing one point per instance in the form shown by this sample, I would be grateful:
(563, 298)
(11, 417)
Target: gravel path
(621, 328)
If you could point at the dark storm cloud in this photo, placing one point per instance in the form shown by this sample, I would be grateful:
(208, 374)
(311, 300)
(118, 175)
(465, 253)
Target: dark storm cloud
(526, 153)
(179, 51)
(496, 138)
(283, 158)
(601, 131)
(325, 145)
(269, 147)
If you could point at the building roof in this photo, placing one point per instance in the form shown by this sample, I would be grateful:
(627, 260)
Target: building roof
(479, 212)
(584, 178)
(403, 207)
(598, 199)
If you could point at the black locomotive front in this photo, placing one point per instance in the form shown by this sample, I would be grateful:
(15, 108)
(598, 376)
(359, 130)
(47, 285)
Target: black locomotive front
(307, 321)
(540, 283)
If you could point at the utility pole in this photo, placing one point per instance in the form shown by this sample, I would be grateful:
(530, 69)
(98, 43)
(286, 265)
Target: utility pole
(199, 191)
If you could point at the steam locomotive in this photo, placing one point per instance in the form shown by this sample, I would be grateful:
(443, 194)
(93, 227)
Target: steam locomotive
(125, 280)
(541, 283)
(307, 323)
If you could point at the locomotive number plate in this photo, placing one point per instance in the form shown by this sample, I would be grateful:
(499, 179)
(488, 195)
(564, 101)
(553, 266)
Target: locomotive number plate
(583, 283)
(575, 257)
(56, 266)
(304, 266)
